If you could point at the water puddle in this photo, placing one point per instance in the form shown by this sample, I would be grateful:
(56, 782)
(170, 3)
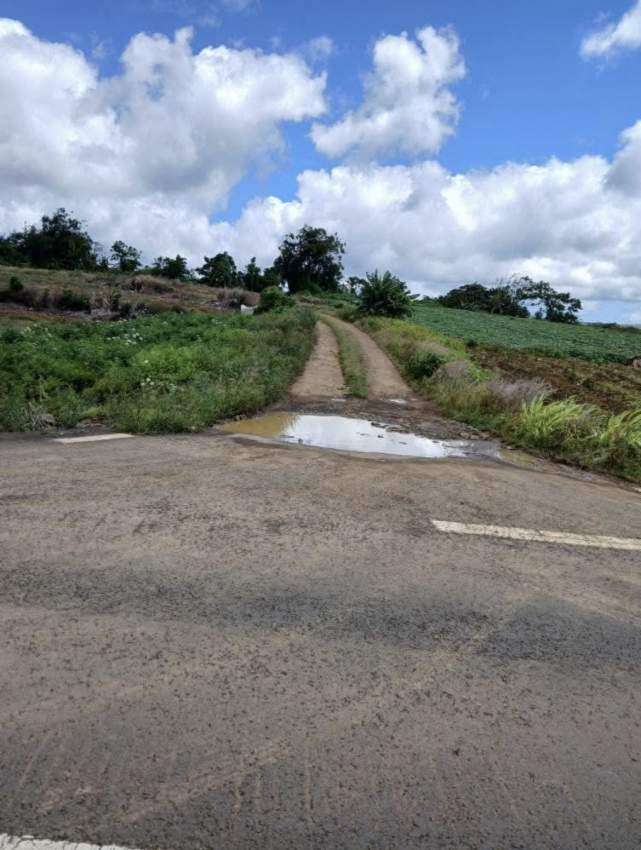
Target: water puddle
(355, 435)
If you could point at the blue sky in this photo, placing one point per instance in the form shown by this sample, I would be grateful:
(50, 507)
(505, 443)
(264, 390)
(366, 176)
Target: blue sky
(529, 95)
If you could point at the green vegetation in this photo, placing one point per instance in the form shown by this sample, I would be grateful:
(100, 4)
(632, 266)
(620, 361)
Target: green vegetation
(384, 295)
(273, 299)
(519, 411)
(310, 259)
(515, 297)
(551, 338)
(152, 374)
(351, 359)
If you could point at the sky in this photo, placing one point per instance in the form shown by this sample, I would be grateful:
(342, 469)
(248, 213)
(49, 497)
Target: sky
(448, 141)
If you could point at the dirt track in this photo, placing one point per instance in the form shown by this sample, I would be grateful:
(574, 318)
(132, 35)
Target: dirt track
(383, 378)
(322, 376)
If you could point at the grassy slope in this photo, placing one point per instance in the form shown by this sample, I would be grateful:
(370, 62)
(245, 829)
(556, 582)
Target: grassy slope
(175, 372)
(563, 429)
(159, 294)
(558, 340)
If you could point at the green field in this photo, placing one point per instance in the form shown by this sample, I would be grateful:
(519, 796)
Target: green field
(558, 340)
(178, 372)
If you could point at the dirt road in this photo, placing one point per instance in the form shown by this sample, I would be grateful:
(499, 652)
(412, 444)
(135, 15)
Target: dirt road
(383, 378)
(209, 642)
(322, 377)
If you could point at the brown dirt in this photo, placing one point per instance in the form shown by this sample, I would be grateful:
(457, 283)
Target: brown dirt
(321, 389)
(383, 378)
(322, 377)
(612, 386)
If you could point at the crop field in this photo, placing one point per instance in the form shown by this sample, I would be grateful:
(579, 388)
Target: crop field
(178, 372)
(588, 342)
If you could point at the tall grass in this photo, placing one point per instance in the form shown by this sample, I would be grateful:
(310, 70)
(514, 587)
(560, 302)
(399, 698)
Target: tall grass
(519, 411)
(351, 359)
(153, 374)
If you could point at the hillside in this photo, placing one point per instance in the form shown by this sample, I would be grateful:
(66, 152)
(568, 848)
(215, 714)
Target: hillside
(144, 293)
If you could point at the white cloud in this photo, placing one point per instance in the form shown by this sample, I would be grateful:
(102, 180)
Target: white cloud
(318, 49)
(176, 130)
(625, 34)
(407, 105)
(148, 155)
(561, 221)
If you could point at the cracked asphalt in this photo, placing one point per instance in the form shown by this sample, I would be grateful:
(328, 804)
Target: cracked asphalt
(208, 642)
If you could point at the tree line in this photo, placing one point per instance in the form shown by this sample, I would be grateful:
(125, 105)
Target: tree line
(310, 260)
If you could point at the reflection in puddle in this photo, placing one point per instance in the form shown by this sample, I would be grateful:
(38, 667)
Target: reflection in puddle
(355, 435)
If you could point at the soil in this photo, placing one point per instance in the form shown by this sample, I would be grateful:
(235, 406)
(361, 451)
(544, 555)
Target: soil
(322, 377)
(383, 378)
(320, 389)
(612, 386)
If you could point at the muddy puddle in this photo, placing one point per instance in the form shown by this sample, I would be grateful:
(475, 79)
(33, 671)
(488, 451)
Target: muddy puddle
(355, 435)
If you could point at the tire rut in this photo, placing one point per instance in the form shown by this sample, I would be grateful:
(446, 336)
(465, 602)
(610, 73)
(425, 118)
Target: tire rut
(322, 377)
(384, 381)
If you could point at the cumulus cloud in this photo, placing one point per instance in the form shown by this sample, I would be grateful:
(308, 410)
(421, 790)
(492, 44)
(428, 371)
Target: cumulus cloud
(175, 130)
(565, 222)
(148, 155)
(407, 105)
(624, 34)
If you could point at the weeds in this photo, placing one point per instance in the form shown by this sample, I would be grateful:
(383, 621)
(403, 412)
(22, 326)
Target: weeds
(152, 374)
(351, 359)
(519, 411)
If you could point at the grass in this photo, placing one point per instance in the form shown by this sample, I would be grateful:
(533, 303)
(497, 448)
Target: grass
(590, 342)
(519, 411)
(155, 294)
(177, 372)
(351, 359)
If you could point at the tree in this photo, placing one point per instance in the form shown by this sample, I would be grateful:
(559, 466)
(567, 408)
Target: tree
(354, 285)
(552, 305)
(271, 277)
(252, 279)
(385, 295)
(60, 242)
(175, 268)
(125, 258)
(470, 296)
(219, 271)
(311, 258)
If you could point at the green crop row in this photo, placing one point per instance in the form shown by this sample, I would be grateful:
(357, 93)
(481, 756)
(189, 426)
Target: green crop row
(589, 342)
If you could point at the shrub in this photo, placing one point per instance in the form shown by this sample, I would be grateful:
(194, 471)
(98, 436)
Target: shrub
(272, 299)
(348, 313)
(15, 285)
(385, 295)
(69, 300)
(423, 364)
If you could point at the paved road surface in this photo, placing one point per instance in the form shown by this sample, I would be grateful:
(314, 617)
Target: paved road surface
(208, 642)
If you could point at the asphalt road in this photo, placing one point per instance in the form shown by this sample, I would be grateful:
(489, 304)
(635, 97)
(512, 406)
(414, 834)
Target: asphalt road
(213, 643)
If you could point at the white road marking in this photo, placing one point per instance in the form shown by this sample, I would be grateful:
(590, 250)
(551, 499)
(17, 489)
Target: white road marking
(630, 544)
(92, 439)
(27, 842)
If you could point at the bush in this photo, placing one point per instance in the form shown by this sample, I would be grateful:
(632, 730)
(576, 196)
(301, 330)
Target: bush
(15, 285)
(423, 364)
(385, 295)
(272, 299)
(69, 300)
